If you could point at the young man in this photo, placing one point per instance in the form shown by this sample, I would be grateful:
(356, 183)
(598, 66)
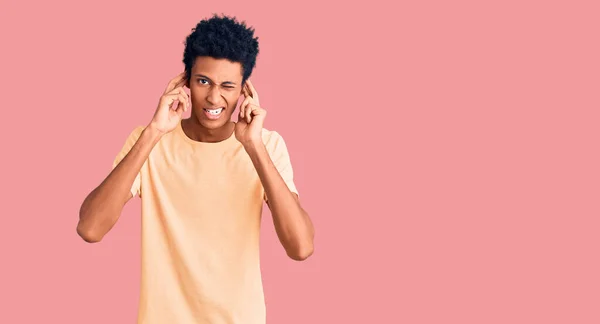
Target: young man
(203, 181)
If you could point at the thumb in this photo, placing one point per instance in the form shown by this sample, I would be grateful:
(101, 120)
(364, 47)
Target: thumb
(179, 110)
(241, 118)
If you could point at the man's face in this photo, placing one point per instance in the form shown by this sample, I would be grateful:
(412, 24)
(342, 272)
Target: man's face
(215, 87)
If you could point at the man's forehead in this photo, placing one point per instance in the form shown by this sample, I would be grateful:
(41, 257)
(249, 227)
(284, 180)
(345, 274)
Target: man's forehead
(217, 69)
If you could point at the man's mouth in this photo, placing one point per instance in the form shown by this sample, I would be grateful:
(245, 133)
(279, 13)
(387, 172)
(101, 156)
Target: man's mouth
(213, 113)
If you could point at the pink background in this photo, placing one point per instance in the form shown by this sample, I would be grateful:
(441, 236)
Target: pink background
(446, 151)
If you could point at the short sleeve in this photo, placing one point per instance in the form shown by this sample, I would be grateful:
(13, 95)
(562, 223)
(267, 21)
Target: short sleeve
(131, 140)
(280, 156)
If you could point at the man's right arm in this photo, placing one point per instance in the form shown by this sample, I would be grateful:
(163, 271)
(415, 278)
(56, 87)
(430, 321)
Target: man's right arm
(103, 206)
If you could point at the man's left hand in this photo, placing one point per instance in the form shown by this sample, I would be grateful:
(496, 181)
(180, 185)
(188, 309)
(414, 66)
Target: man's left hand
(248, 129)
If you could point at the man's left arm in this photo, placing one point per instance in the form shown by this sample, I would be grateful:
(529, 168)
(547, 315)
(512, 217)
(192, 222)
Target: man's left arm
(292, 223)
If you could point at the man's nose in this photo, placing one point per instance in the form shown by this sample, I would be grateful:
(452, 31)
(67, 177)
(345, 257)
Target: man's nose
(214, 94)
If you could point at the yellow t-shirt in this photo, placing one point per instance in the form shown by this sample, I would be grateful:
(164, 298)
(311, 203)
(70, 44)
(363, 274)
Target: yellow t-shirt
(201, 213)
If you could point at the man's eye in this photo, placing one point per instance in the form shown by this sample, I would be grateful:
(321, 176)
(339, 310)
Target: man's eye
(203, 80)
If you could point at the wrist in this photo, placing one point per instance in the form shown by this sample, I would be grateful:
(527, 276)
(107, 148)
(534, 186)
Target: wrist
(153, 133)
(254, 145)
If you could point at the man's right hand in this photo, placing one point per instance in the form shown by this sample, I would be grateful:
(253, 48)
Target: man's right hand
(167, 117)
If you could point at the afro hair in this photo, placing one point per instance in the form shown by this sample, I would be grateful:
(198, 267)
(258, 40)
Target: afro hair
(222, 38)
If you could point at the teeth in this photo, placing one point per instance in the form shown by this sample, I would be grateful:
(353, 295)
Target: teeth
(215, 111)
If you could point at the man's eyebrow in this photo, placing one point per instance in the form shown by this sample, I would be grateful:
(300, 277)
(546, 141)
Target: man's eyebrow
(204, 76)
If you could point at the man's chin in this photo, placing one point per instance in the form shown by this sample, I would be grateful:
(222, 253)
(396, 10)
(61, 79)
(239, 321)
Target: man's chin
(214, 124)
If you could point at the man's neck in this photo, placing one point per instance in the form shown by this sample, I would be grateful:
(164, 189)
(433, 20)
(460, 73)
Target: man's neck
(197, 132)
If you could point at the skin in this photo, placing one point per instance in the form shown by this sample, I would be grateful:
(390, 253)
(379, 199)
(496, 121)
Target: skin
(212, 83)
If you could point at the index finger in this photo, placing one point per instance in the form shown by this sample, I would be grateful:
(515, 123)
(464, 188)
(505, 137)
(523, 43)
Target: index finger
(251, 88)
(175, 82)
(246, 90)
